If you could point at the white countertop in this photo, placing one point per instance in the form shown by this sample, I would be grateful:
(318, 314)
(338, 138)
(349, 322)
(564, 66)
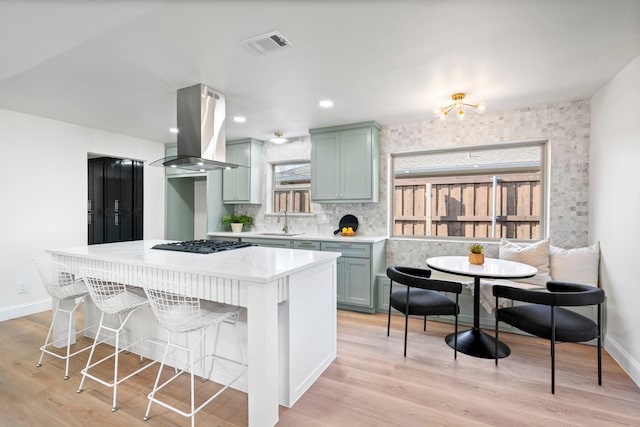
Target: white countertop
(256, 264)
(321, 237)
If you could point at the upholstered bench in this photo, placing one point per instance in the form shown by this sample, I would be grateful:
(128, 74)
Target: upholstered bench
(579, 265)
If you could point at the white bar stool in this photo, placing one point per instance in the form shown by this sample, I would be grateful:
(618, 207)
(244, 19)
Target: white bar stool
(115, 298)
(180, 315)
(69, 292)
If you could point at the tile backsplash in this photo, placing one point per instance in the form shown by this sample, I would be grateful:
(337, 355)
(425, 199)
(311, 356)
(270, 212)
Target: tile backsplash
(566, 127)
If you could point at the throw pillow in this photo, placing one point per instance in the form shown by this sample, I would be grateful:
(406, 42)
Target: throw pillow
(535, 255)
(578, 265)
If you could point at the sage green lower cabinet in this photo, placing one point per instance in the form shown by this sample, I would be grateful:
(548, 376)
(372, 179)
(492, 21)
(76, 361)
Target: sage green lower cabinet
(356, 270)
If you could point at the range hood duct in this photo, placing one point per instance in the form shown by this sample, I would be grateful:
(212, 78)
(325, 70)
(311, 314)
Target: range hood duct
(201, 131)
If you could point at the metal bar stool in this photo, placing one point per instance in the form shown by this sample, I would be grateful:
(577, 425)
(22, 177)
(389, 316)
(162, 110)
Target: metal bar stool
(185, 316)
(114, 298)
(69, 292)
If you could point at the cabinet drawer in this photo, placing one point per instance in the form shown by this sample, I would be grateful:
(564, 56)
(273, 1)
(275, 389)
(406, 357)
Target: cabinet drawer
(306, 244)
(273, 243)
(361, 250)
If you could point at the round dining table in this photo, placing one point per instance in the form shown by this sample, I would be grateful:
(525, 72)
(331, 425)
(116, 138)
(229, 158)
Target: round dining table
(476, 342)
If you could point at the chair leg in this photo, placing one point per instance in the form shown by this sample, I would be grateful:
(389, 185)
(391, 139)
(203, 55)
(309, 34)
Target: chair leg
(455, 340)
(389, 316)
(599, 362)
(424, 327)
(406, 322)
(553, 351)
(599, 346)
(389, 319)
(553, 367)
(495, 349)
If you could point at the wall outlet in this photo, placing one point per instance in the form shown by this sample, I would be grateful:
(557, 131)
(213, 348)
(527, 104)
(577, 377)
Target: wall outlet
(360, 219)
(22, 288)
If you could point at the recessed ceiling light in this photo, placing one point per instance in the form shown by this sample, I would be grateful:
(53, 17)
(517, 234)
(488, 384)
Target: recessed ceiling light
(239, 119)
(326, 103)
(173, 130)
(174, 166)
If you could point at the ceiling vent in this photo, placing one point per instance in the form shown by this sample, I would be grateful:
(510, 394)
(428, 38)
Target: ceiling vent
(267, 42)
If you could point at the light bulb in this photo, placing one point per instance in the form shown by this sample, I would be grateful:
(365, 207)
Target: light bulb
(460, 114)
(438, 112)
(482, 107)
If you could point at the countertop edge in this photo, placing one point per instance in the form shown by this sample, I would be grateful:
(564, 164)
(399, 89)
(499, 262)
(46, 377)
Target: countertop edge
(316, 237)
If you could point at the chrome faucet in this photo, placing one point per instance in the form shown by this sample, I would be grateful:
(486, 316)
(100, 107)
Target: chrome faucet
(285, 229)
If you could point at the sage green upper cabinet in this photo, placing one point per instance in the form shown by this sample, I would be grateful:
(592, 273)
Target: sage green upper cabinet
(244, 183)
(345, 163)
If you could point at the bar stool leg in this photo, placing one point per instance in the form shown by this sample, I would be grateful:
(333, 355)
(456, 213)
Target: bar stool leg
(93, 347)
(46, 340)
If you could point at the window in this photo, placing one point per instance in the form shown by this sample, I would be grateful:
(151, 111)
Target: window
(486, 192)
(291, 187)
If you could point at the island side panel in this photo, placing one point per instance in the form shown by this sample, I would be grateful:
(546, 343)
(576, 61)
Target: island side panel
(311, 342)
(262, 342)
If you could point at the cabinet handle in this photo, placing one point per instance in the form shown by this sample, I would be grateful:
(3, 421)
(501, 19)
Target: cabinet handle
(116, 205)
(89, 205)
(116, 220)
(346, 245)
(89, 218)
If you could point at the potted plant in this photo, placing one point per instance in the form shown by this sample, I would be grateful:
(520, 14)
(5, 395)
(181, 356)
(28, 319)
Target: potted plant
(476, 255)
(236, 222)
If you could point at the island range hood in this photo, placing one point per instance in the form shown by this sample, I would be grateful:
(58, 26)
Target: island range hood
(201, 131)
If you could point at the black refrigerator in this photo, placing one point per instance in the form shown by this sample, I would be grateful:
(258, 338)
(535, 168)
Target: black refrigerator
(115, 200)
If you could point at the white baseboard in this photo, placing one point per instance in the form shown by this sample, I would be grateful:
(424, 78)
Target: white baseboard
(25, 309)
(624, 359)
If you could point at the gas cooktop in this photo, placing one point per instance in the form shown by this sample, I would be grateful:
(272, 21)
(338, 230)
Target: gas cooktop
(202, 246)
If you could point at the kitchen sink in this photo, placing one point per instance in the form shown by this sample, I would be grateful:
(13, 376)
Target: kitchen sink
(280, 234)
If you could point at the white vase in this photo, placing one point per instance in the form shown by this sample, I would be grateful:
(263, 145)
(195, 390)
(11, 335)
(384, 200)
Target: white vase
(236, 227)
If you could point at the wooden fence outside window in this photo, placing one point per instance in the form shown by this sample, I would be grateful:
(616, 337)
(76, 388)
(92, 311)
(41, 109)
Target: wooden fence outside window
(463, 206)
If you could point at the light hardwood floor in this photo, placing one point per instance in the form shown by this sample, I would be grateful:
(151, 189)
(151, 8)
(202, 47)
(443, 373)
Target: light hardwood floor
(369, 384)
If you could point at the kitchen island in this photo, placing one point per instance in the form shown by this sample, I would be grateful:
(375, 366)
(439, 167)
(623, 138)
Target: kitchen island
(290, 296)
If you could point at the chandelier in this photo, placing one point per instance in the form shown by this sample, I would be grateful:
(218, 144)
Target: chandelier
(279, 139)
(458, 106)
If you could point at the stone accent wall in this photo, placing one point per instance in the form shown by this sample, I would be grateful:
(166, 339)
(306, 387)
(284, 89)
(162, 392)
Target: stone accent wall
(566, 127)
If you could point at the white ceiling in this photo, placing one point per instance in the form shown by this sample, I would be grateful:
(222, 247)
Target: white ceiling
(116, 65)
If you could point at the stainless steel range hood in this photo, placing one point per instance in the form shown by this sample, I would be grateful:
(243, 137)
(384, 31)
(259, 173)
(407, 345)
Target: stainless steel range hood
(201, 131)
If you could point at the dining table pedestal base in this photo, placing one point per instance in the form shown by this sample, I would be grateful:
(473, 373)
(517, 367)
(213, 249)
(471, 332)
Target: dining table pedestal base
(477, 343)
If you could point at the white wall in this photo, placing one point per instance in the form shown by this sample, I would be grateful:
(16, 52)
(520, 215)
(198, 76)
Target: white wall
(43, 201)
(615, 203)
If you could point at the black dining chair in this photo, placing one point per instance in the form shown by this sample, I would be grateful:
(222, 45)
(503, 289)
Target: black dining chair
(544, 316)
(422, 298)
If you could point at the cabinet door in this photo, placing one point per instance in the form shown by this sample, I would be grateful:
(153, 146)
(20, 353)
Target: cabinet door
(95, 208)
(357, 285)
(138, 200)
(236, 182)
(355, 164)
(325, 166)
(341, 279)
